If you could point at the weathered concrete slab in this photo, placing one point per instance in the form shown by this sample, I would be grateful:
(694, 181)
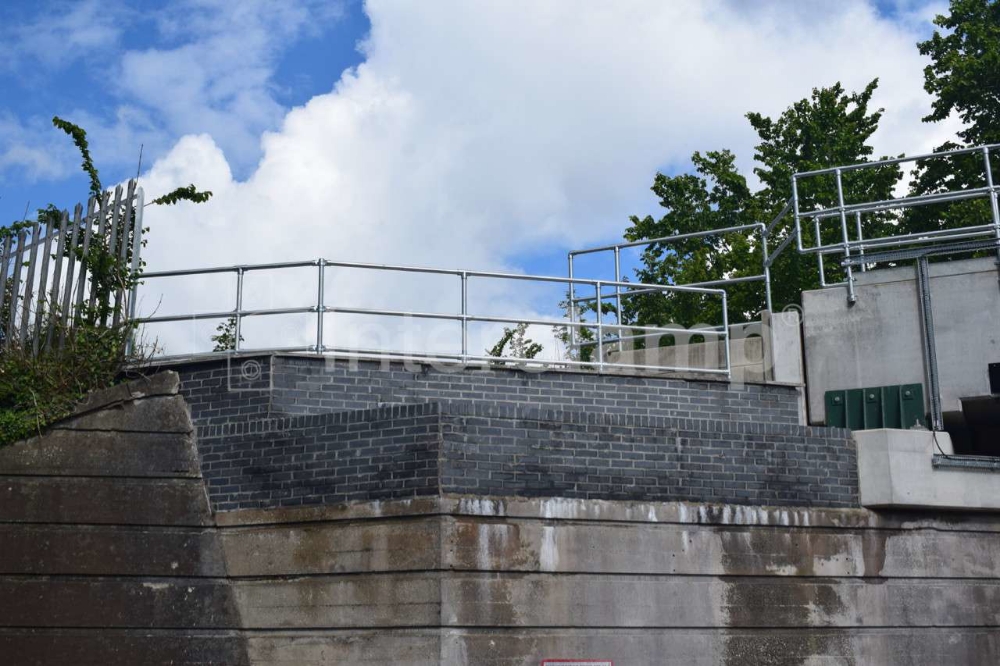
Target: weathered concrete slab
(109, 647)
(328, 648)
(637, 548)
(360, 602)
(617, 511)
(159, 384)
(344, 547)
(117, 603)
(109, 550)
(163, 414)
(103, 453)
(541, 600)
(119, 501)
(722, 647)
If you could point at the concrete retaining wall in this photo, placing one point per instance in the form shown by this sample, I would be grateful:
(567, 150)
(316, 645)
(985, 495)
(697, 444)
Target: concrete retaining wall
(474, 581)
(111, 556)
(108, 552)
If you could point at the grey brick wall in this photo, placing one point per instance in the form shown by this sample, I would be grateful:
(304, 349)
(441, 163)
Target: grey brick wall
(305, 385)
(538, 452)
(504, 450)
(289, 430)
(219, 391)
(322, 459)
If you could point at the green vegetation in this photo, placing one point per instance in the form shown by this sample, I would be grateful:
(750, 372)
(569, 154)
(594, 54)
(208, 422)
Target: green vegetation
(225, 336)
(515, 344)
(38, 388)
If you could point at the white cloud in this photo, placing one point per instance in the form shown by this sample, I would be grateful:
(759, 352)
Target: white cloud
(217, 77)
(475, 133)
(32, 149)
(212, 72)
(84, 29)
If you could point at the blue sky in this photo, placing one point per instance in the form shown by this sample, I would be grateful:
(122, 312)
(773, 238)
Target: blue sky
(41, 80)
(486, 135)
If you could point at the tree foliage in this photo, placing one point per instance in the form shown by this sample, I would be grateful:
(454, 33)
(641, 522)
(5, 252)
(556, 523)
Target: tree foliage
(225, 336)
(830, 127)
(79, 137)
(964, 78)
(189, 193)
(515, 344)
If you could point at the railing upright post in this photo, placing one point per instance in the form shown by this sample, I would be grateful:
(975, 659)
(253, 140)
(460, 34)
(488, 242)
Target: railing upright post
(600, 329)
(851, 296)
(572, 306)
(465, 317)
(861, 238)
(618, 289)
(320, 303)
(796, 212)
(993, 195)
(725, 330)
(819, 255)
(767, 267)
(239, 308)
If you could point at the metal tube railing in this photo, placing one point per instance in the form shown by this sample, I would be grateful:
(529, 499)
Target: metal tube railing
(464, 317)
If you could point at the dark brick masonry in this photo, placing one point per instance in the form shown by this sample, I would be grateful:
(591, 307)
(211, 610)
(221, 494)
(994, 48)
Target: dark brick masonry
(467, 448)
(220, 392)
(290, 430)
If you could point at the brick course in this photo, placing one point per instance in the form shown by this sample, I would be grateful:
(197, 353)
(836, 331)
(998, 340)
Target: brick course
(219, 392)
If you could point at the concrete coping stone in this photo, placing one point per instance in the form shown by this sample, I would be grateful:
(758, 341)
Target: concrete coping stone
(160, 384)
(618, 511)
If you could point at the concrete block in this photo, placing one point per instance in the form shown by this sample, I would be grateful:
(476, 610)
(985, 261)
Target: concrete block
(895, 469)
(339, 602)
(76, 550)
(159, 384)
(725, 647)
(339, 547)
(405, 647)
(106, 603)
(103, 453)
(584, 600)
(566, 546)
(122, 647)
(103, 501)
(160, 414)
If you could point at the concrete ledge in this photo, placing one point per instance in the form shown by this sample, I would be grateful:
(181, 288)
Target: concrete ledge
(897, 469)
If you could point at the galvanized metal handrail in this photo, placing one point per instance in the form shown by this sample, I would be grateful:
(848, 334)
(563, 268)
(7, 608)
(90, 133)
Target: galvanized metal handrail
(764, 276)
(464, 316)
(848, 246)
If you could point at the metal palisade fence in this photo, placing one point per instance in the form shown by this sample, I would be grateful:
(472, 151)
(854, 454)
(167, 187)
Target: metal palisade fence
(65, 271)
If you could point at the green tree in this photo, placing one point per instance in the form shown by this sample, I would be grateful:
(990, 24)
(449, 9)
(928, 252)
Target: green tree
(831, 127)
(964, 78)
(225, 337)
(515, 344)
